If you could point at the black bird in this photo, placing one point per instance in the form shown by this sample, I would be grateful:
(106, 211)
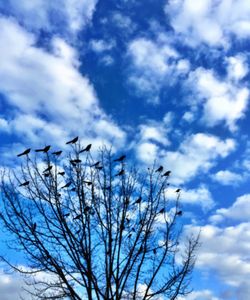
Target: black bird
(154, 251)
(46, 174)
(121, 158)
(122, 227)
(73, 189)
(95, 165)
(66, 215)
(77, 217)
(179, 213)
(99, 168)
(120, 173)
(87, 148)
(86, 209)
(33, 227)
(166, 173)
(160, 169)
(66, 185)
(72, 141)
(178, 190)
(127, 219)
(138, 200)
(24, 183)
(87, 182)
(75, 161)
(48, 169)
(141, 249)
(27, 151)
(129, 236)
(61, 173)
(45, 149)
(162, 211)
(78, 231)
(57, 152)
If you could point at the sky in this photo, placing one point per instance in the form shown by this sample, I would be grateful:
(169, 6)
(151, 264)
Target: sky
(164, 81)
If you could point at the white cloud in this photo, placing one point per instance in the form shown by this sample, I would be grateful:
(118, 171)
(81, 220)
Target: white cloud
(199, 295)
(209, 21)
(237, 67)
(100, 46)
(49, 95)
(226, 177)
(123, 22)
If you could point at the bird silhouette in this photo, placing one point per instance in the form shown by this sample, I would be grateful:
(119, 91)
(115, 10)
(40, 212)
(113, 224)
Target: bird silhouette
(87, 182)
(78, 231)
(75, 161)
(162, 211)
(120, 173)
(57, 152)
(122, 227)
(25, 152)
(66, 215)
(86, 209)
(127, 219)
(61, 173)
(45, 149)
(179, 213)
(46, 174)
(129, 236)
(77, 217)
(160, 169)
(48, 169)
(154, 251)
(121, 158)
(138, 200)
(99, 168)
(166, 173)
(87, 148)
(33, 227)
(95, 165)
(24, 183)
(66, 185)
(178, 190)
(72, 141)
(73, 189)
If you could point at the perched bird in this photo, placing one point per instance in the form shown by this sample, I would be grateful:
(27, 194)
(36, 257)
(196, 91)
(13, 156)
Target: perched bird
(86, 209)
(138, 201)
(66, 185)
(66, 215)
(127, 219)
(166, 173)
(24, 183)
(162, 211)
(154, 251)
(61, 173)
(48, 169)
(25, 152)
(121, 158)
(99, 168)
(179, 213)
(120, 173)
(160, 169)
(178, 190)
(129, 236)
(33, 227)
(87, 148)
(72, 141)
(46, 174)
(87, 182)
(141, 249)
(78, 231)
(75, 161)
(57, 152)
(73, 189)
(45, 149)
(77, 217)
(127, 201)
(95, 165)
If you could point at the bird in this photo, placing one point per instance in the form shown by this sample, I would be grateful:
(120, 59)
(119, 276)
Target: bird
(78, 231)
(87, 148)
(73, 141)
(45, 149)
(160, 169)
(46, 174)
(99, 168)
(138, 200)
(87, 182)
(120, 173)
(178, 190)
(162, 211)
(129, 236)
(179, 213)
(57, 152)
(48, 169)
(75, 161)
(127, 219)
(166, 173)
(24, 183)
(121, 158)
(77, 217)
(154, 251)
(73, 189)
(66, 215)
(61, 173)
(25, 152)
(141, 249)
(86, 209)
(122, 227)
(66, 185)
(33, 227)
(95, 164)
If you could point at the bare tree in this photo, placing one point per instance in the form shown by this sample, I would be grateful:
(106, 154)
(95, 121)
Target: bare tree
(98, 228)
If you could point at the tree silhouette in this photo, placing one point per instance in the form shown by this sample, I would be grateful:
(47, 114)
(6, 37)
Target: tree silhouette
(98, 228)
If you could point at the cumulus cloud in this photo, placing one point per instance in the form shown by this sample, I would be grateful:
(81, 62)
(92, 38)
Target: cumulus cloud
(47, 94)
(199, 295)
(226, 177)
(210, 21)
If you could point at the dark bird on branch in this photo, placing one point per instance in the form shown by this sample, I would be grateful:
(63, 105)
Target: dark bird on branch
(95, 165)
(66, 185)
(154, 251)
(138, 200)
(77, 217)
(86, 209)
(166, 173)
(66, 215)
(179, 213)
(24, 183)
(141, 249)
(57, 152)
(129, 236)
(27, 151)
(73, 189)
(127, 219)
(75, 161)
(72, 141)
(162, 211)
(121, 158)
(178, 190)
(78, 231)
(48, 169)
(87, 148)
(61, 173)
(33, 227)
(160, 169)
(99, 168)
(87, 182)
(45, 149)
(46, 174)
(122, 172)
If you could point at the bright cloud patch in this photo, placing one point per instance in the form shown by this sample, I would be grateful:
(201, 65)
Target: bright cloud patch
(226, 177)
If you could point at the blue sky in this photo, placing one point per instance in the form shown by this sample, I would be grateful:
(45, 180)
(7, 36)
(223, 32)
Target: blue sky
(165, 80)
